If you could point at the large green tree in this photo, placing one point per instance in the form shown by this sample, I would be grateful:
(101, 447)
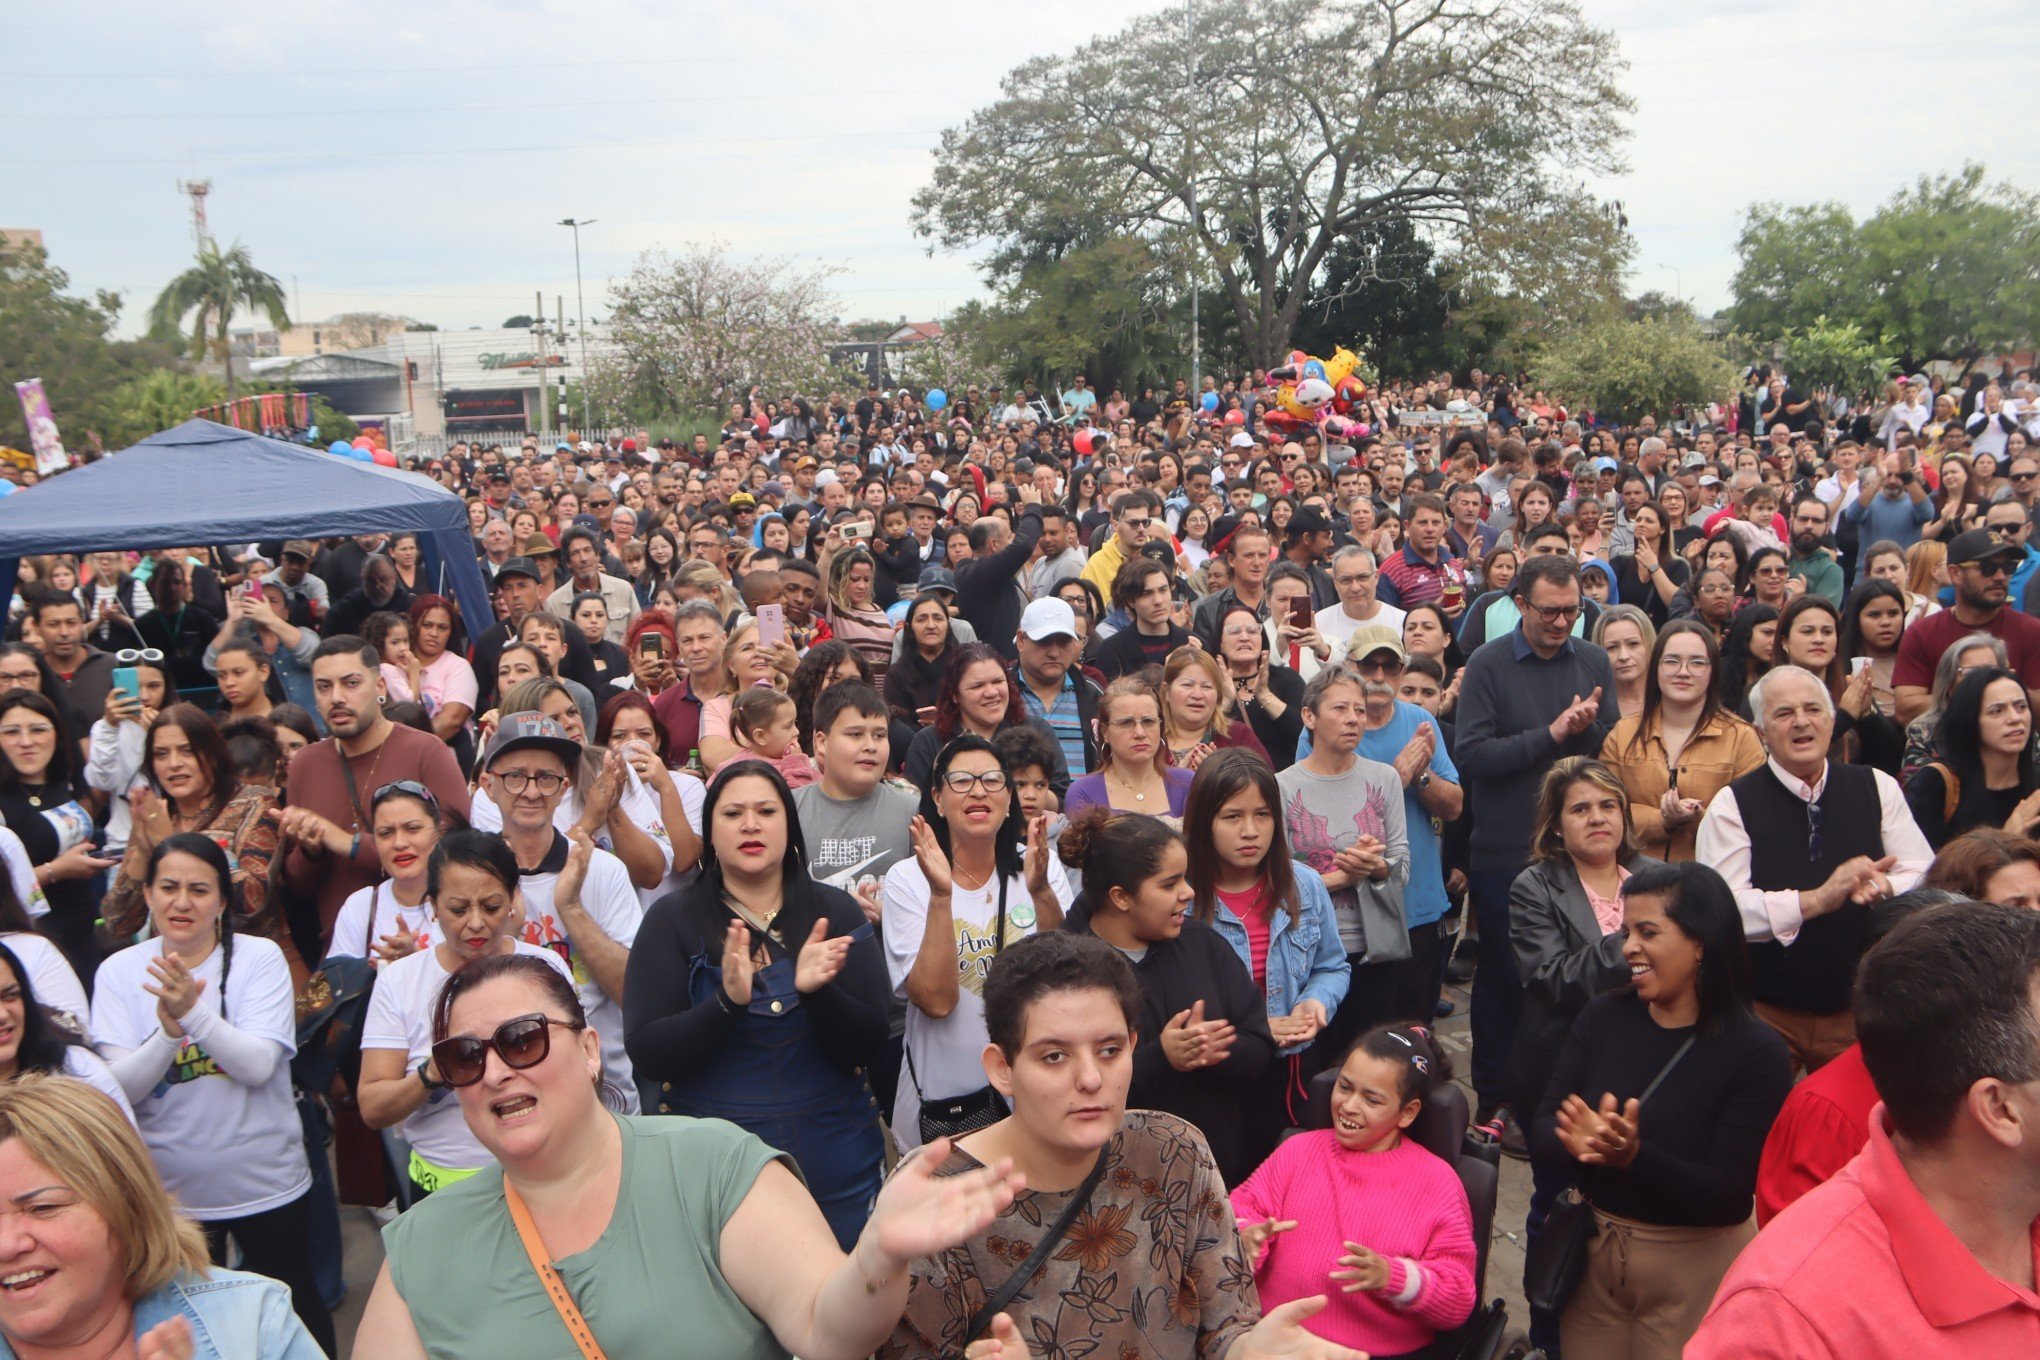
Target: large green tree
(206, 296)
(1948, 267)
(1633, 368)
(1284, 127)
(155, 401)
(66, 341)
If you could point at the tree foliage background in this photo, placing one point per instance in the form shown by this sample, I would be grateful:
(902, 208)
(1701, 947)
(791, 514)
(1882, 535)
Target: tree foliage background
(1947, 268)
(1631, 367)
(692, 333)
(1247, 155)
(69, 343)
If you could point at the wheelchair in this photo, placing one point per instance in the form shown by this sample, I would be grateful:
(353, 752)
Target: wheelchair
(1443, 1129)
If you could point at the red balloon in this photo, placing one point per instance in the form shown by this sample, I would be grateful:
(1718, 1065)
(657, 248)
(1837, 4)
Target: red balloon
(383, 457)
(1236, 416)
(1082, 443)
(362, 441)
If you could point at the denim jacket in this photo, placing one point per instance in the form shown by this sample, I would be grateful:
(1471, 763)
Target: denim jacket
(233, 1316)
(1306, 962)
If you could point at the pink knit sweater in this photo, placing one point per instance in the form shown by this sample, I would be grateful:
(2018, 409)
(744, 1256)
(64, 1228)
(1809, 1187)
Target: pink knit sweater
(1405, 1204)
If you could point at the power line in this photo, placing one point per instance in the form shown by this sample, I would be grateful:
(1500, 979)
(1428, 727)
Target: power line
(351, 73)
(287, 157)
(776, 96)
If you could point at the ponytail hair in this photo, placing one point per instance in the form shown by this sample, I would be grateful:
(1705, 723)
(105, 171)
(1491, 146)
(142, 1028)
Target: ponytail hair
(1111, 850)
(1420, 1059)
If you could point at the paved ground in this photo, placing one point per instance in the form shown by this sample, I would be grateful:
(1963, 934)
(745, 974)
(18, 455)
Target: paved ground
(363, 1241)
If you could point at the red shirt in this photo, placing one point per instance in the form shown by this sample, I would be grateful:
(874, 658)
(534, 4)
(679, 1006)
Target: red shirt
(1824, 1124)
(1921, 645)
(1252, 909)
(1863, 1266)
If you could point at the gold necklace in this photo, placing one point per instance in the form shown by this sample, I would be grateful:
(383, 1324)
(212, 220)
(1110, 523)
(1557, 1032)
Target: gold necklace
(1139, 794)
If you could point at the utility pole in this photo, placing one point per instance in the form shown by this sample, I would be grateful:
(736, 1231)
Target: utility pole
(580, 312)
(544, 389)
(560, 303)
(1190, 152)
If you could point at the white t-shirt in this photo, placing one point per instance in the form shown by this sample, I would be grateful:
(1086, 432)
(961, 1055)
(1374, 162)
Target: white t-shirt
(400, 1017)
(610, 899)
(88, 1067)
(50, 976)
(21, 873)
(351, 929)
(948, 1054)
(640, 804)
(225, 1150)
(1336, 628)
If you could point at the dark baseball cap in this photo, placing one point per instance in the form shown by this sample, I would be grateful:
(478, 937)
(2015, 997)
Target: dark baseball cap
(532, 731)
(1981, 545)
(518, 566)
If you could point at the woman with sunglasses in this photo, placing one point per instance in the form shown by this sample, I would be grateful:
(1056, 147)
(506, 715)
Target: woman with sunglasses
(475, 911)
(199, 1025)
(391, 919)
(759, 995)
(653, 1228)
(967, 893)
(1766, 580)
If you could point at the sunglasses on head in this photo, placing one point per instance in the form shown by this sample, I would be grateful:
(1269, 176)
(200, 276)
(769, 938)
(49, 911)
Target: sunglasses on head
(522, 1041)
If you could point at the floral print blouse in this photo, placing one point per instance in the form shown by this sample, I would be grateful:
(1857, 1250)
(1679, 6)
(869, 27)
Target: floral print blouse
(1152, 1269)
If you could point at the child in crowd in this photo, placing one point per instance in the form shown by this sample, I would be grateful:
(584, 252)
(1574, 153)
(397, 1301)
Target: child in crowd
(762, 721)
(1361, 1206)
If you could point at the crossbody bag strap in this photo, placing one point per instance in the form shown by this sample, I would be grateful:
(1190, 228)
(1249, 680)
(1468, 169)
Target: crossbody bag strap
(555, 1287)
(1644, 1099)
(1666, 1070)
(996, 1301)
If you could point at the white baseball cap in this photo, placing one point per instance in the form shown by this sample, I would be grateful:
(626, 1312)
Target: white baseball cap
(1048, 617)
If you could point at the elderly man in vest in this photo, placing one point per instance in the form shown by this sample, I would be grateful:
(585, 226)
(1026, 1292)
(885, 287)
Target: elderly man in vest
(1807, 844)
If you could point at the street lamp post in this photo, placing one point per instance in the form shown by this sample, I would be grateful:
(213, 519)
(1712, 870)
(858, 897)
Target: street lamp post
(580, 313)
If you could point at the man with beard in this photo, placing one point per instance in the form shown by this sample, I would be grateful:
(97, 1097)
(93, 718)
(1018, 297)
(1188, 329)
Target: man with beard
(1810, 561)
(331, 782)
(1980, 563)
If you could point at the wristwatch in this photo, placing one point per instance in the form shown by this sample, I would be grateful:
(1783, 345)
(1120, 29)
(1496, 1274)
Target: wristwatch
(1422, 781)
(425, 1079)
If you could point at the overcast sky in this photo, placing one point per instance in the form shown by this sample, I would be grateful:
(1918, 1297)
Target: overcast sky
(416, 158)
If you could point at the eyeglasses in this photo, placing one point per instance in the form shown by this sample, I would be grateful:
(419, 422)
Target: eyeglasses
(1997, 566)
(1134, 724)
(523, 1041)
(2024, 476)
(962, 781)
(1769, 571)
(405, 786)
(1716, 589)
(1684, 665)
(1386, 665)
(15, 731)
(517, 781)
(1141, 523)
(1555, 613)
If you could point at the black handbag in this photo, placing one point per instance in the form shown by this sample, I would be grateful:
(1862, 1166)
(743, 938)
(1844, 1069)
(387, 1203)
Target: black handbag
(1558, 1258)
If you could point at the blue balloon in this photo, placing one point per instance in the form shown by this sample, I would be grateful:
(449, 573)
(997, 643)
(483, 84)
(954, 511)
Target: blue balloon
(937, 398)
(1314, 369)
(1209, 401)
(340, 448)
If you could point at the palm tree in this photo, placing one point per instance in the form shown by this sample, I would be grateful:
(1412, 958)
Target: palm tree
(209, 293)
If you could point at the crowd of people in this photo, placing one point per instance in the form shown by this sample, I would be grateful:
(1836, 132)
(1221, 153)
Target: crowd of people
(939, 880)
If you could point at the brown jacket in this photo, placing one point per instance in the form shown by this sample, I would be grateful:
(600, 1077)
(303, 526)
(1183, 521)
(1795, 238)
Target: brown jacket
(1723, 751)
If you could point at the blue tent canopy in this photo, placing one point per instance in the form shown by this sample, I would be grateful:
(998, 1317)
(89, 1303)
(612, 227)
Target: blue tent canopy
(206, 483)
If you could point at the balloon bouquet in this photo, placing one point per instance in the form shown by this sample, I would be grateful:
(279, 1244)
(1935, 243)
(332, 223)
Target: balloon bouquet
(1309, 393)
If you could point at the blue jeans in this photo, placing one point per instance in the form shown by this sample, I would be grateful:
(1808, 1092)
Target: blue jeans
(1497, 994)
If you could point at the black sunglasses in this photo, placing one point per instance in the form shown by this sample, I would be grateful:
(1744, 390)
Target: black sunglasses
(522, 1041)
